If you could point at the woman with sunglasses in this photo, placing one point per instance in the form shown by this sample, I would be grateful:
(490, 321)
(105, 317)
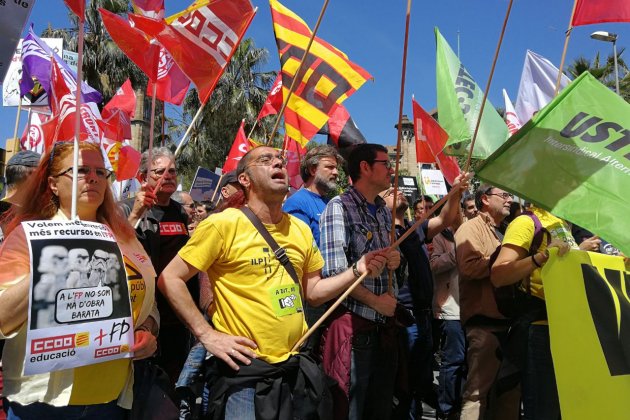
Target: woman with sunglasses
(101, 390)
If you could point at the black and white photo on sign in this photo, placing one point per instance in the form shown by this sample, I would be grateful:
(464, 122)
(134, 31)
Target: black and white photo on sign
(77, 280)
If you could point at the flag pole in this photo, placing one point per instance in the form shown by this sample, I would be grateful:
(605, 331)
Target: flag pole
(358, 281)
(567, 36)
(17, 118)
(216, 189)
(485, 95)
(390, 287)
(77, 120)
(182, 142)
(29, 121)
(252, 130)
(297, 74)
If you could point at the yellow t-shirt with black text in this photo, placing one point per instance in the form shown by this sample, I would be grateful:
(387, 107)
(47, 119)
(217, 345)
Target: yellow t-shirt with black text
(521, 233)
(254, 296)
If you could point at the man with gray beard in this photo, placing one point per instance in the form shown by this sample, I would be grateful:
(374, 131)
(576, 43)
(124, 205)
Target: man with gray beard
(319, 171)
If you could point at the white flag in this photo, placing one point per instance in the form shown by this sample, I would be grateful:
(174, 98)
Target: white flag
(511, 119)
(538, 84)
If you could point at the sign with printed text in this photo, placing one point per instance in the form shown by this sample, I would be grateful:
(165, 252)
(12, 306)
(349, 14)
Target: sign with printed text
(79, 307)
(433, 182)
(204, 184)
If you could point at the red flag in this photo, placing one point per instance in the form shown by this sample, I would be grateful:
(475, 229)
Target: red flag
(116, 126)
(208, 34)
(149, 8)
(77, 7)
(599, 11)
(34, 137)
(428, 131)
(240, 146)
(341, 129)
(294, 152)
(172, 83)
(124, 99)
(274, 99)
(133, 42)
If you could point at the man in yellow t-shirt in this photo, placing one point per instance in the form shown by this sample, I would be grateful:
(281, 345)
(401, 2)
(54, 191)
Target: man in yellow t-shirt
(257, 315)
(514, 263)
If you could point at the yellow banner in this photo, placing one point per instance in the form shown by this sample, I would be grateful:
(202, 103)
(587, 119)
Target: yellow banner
(589, 324)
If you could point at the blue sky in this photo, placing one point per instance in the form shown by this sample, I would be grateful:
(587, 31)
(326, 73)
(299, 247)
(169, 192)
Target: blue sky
(371, 34)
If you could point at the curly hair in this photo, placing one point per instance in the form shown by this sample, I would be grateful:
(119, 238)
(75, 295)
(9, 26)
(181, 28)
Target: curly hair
(44, 204)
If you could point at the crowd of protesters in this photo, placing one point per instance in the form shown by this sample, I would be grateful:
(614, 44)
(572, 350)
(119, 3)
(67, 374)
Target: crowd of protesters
(232, 288)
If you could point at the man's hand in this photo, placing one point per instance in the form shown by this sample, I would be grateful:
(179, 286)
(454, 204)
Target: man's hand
(145, 199)
(385, 304)
(591, 244)
(145, 345)
(393, 258)
(229, 347)
(461, 181)
(372, 262)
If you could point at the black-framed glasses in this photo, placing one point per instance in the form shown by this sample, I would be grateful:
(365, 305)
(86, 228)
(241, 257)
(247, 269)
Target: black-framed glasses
(161, 171)
(267, 160)
(388, 164)
(84, 171)
(503, 195)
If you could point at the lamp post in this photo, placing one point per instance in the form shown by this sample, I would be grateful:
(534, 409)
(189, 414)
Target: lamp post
(609, 37)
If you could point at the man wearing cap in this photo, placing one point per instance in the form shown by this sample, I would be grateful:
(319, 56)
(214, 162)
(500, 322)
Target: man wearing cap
(229, 185)
(18, 169)
(257, 317)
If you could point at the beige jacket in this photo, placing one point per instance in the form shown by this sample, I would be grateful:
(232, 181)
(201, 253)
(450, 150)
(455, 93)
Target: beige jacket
(475, 243)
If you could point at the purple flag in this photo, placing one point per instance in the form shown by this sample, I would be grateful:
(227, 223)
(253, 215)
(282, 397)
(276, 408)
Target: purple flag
(36, 56)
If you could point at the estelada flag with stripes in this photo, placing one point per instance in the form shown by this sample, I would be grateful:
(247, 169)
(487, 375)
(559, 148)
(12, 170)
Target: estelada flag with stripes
(202, 40)
(600, 11)
(589, 326)
(327, 78)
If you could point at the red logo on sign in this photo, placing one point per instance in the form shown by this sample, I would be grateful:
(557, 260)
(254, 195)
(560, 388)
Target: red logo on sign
(173, 228)
(106, 351)
(48, 344)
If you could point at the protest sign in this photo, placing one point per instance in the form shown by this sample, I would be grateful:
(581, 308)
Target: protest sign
(13, 16)
(204, 184)
(409, 187)
(433, 182)
(79, 307)
(71, 59)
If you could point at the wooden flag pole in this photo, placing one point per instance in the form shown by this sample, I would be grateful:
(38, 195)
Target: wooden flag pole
(297, 74)
(216, 189)
(29, 122)
(358, 281)
(485, 95)
(567, 36)
(77, 121)
(390, 286)
(17, 117)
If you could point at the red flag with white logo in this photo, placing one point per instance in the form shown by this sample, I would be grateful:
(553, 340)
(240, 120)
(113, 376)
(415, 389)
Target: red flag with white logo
(133, 42)
(429, 132)
(34, 135)
(240, 146)
(124, 99)
(207, 34)
(274, 99)
(149, 8)
(172, 83)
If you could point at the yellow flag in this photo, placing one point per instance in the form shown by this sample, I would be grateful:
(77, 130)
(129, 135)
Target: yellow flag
(589, 324)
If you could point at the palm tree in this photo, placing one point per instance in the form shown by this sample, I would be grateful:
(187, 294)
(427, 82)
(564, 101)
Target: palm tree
(604, 71)
(239, 94)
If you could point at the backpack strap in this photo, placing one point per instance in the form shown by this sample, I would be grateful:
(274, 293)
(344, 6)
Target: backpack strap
(539, 235)
(279, 252)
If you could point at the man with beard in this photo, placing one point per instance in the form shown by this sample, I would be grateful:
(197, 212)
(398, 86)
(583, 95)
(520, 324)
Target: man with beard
(415, 281)
(257, 316)
(319, 171)
(161, 226)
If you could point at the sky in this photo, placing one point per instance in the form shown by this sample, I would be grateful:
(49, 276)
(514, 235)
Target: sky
(371, 33)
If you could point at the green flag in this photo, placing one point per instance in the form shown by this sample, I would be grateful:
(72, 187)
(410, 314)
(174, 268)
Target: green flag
(459, 102)
(573, 159)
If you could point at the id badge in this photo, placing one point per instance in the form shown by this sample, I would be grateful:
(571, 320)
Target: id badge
(286, 300)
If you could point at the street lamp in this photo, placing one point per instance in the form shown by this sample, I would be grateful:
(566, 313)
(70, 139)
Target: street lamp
(609, 37)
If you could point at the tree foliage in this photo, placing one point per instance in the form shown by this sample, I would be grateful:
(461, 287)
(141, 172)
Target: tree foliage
(604, 71)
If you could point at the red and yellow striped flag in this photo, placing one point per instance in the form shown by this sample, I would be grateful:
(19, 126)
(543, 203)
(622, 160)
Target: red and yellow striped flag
(327, 78)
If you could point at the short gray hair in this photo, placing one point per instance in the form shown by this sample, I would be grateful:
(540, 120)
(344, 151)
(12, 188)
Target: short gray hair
(157, 153)
(314, 155)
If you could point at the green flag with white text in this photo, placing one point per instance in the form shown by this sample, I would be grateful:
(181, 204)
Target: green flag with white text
(573, 159)
(459, 102)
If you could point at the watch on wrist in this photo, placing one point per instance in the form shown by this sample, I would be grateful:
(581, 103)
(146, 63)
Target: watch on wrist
(355, 270)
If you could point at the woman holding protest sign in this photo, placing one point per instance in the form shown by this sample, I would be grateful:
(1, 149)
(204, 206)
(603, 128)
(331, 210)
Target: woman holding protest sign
(100, 390)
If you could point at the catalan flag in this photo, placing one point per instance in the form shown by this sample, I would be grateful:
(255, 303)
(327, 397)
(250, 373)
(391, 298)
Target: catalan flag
(327, 78)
